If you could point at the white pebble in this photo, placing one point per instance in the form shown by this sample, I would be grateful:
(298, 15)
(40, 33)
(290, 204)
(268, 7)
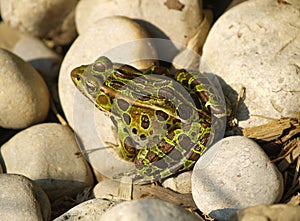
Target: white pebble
(256, 45)
(233, 174)
(23, 93)
(46, 153)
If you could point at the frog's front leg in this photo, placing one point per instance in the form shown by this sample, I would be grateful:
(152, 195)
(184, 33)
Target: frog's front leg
(127, 149)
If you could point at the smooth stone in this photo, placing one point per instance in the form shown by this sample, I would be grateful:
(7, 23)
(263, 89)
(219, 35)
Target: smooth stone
(160, 18)
(268, 213)
(233, 174)
(31, 50)
(46, 153)
(106, 189)
(22, 199)
(42, 20)
(148, 209)
(91, 210)
(24, 95)
(93, 127)
(252, 45)
(181, 183)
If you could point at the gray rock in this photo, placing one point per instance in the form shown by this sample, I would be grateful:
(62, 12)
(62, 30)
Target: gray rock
(148, 209)
(41, 19)
(91, 210)
(22, 199)
(46, 154)
(24, 95)
(233, 174)
(126, 46)
(276, 212)
(251, 45)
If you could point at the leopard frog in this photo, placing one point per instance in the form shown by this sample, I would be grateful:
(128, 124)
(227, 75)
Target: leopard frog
(163, 118)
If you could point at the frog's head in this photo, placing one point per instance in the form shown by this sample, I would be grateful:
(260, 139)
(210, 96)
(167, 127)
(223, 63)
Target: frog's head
(89, 79)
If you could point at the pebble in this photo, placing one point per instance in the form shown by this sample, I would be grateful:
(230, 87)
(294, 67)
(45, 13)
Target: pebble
(275, 212)
(180, 183)
(23, 93)
(148, 209)
(251, 45)
(234, 173)
(22, 199)
(91, 210)
(46, 153)
(31, 50)
(126, 46)
(42, 19)
(106, 188)
(179, 23)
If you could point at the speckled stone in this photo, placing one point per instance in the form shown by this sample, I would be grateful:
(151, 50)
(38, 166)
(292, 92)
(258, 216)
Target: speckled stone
(234, 173)
(256, 44)
(22, 199)
(46, 153)
(23, 93)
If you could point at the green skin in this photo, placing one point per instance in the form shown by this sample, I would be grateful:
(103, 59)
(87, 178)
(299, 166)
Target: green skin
(163, 119)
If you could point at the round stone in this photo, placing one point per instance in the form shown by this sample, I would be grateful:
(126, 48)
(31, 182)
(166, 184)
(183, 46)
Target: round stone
(178, 21)
(256, 45)
(23, 93)
(233, 174)
(148, 209)
(42, 19)
(22, 199)
(181, 183)
(31, 50)
(46, 153)
(128, 45)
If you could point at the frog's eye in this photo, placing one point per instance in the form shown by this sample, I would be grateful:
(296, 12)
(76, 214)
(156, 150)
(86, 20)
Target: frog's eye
(99, 67)
(91, 86)
(102, 64)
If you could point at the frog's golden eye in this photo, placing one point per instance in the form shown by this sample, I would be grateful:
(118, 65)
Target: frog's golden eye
(91, 86)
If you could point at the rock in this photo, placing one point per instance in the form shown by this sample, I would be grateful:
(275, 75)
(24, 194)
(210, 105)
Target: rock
(22, 199)
(90, 210)
(147, 209)
(181, 183)
(265, 212)
(179, 23)
(233, 174)
(251, 45)
(32, 50)
(24, 95)
(106, 189)
(92, 126)
(41, 19)
(46, 153)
